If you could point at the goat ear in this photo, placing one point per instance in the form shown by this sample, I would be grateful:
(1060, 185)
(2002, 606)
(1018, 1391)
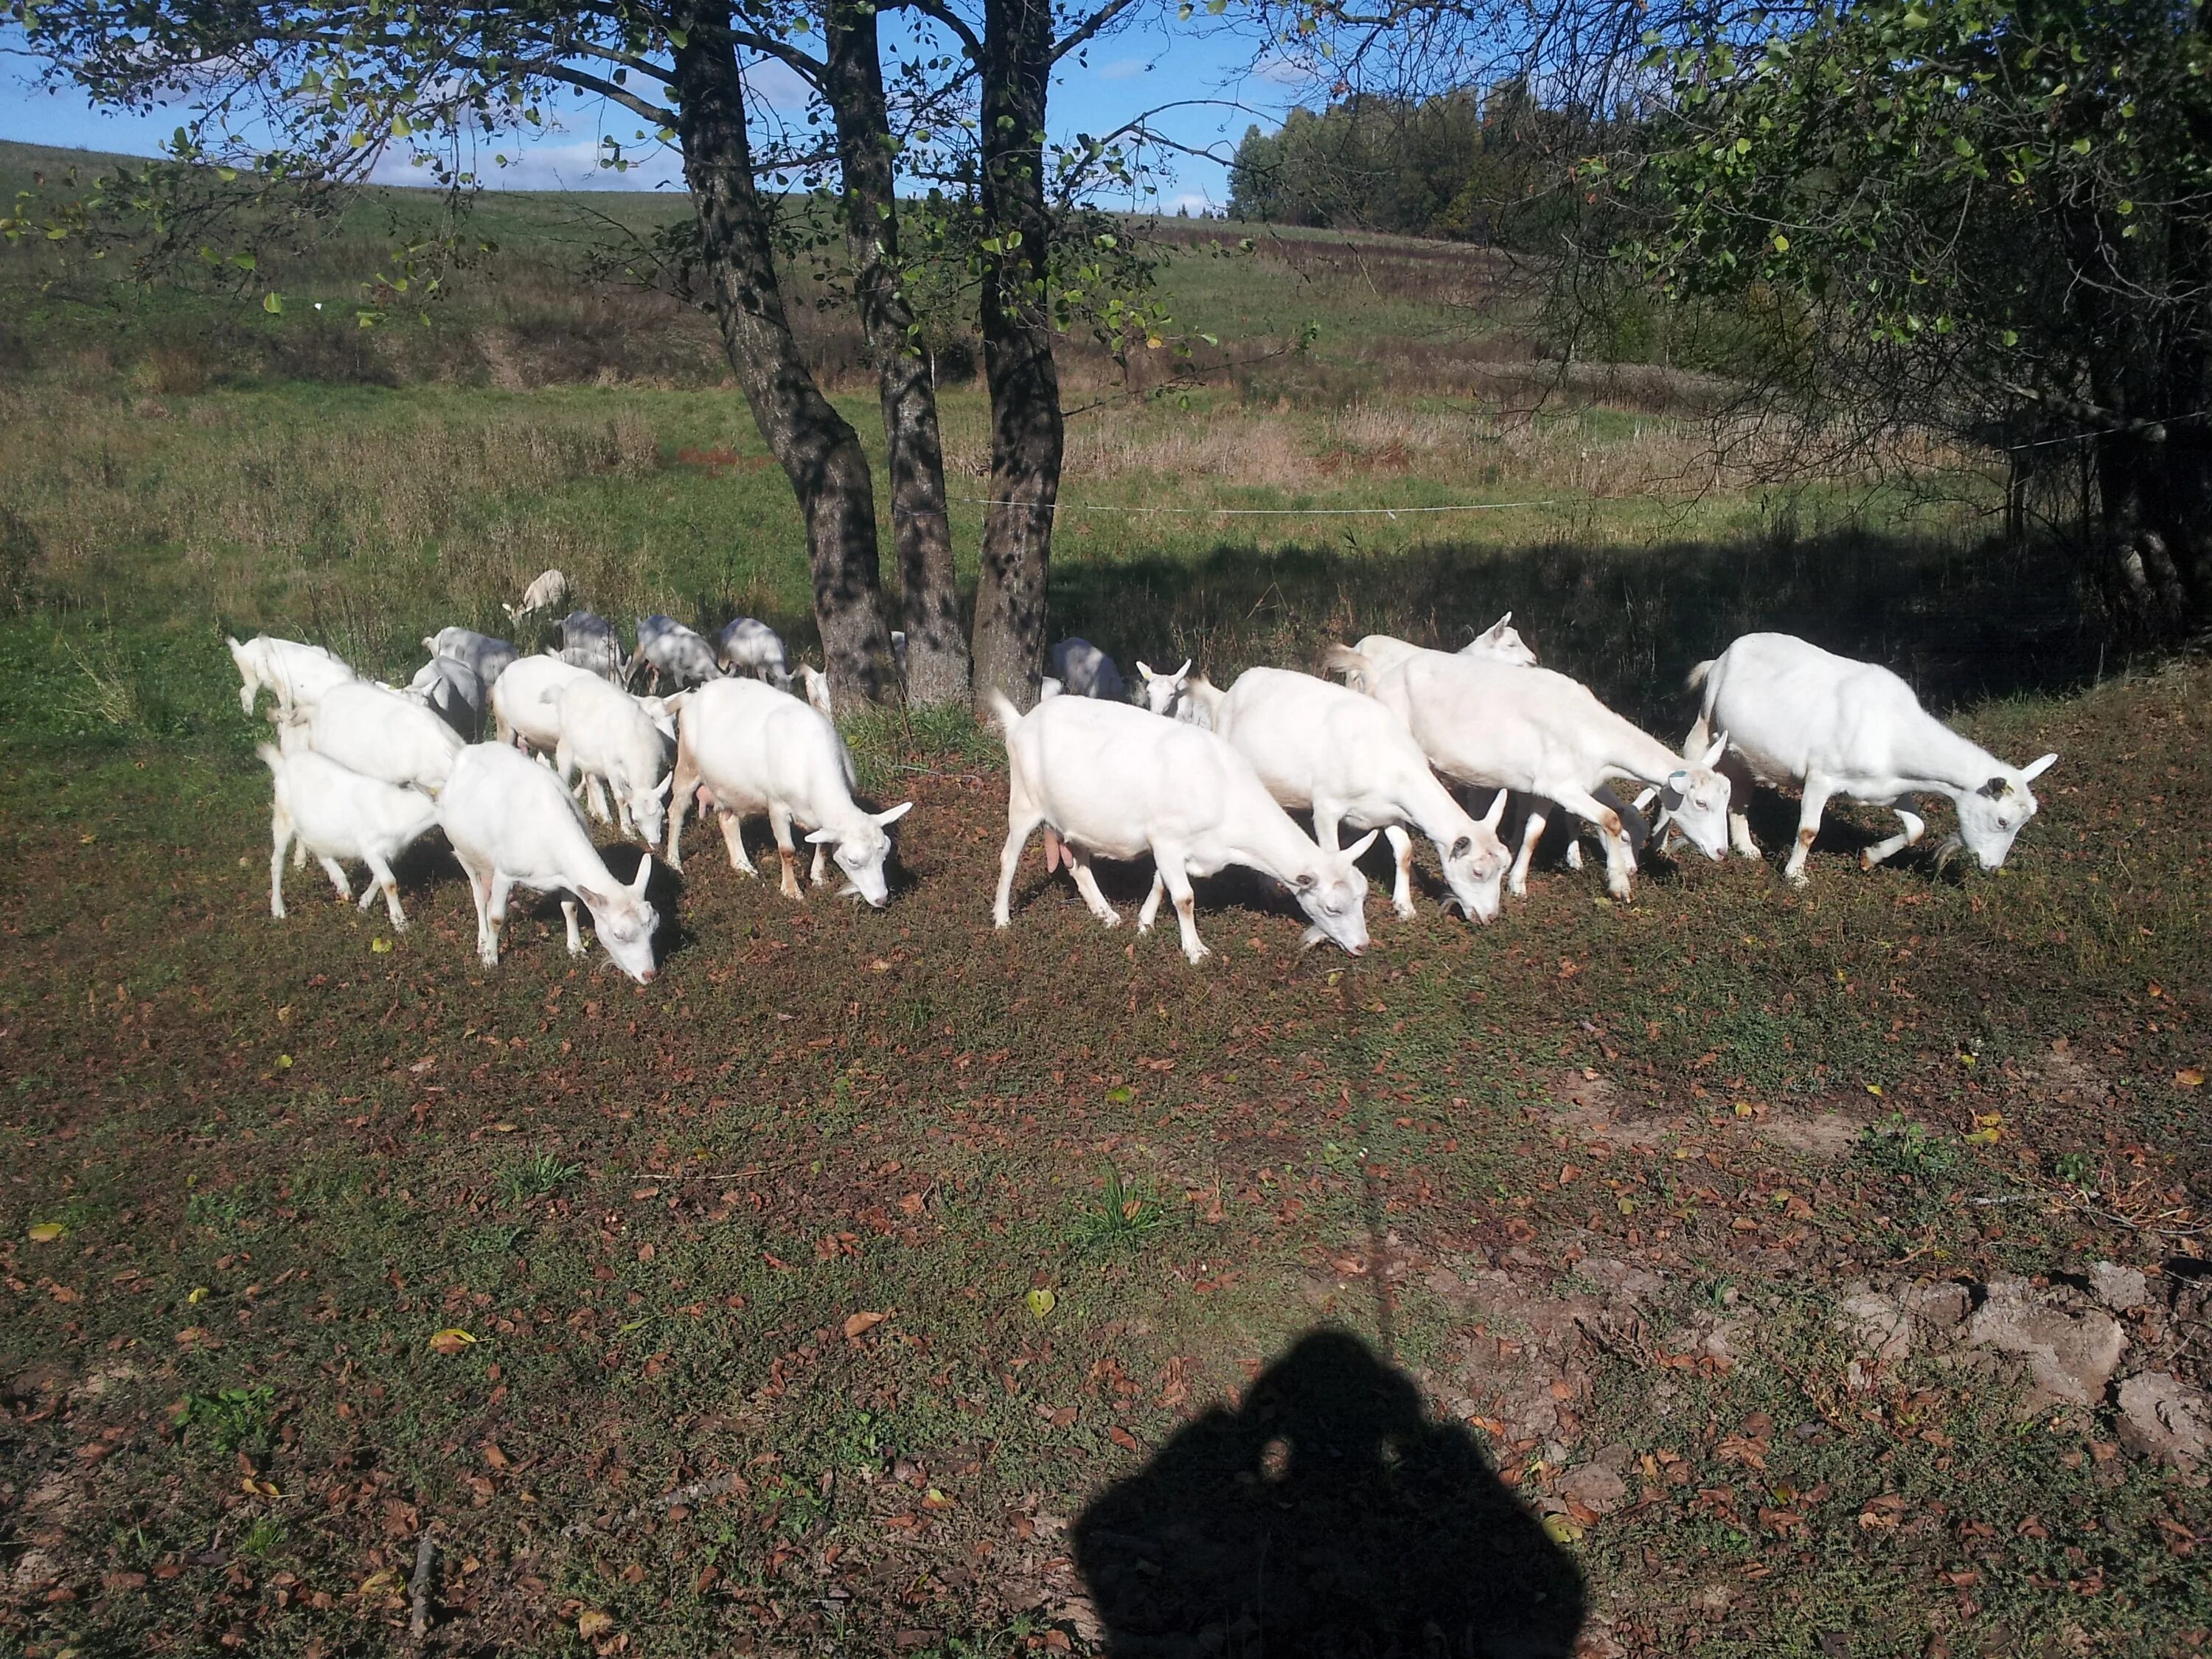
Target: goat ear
(644, 875)
(1643, 801)
(1144, 669)
(430, 643)
(1672, 794)
(894, 814)
(1994, 789)
(2035, 769)
(822, 838)
(1307, 882)
(1352, 853)
(1182, 671)
(1713, 755)
(593, 899)
(660, 792)
(1462, 846)
(1496, 815)
(1496, 628)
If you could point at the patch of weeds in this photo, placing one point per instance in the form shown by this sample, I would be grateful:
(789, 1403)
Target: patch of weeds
(217, 1209)
(2076, 1169)
(231, 1416)
(497, 1239)
(264, 1537)
(1900, 1146)
(1127, 1214)
(537, 1176)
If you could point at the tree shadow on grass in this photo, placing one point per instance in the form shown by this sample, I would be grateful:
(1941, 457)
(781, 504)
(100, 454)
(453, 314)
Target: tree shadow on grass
(1327, 1514)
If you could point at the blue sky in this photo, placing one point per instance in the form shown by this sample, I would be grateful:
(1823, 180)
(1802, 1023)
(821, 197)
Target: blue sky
(1228, 80)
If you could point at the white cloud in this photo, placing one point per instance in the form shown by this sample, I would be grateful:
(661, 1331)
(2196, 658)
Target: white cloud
(1273, 67)
(1193, 201)
(1123, 68)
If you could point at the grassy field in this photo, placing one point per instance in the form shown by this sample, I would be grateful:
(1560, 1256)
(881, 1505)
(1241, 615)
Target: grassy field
(1715, 1272)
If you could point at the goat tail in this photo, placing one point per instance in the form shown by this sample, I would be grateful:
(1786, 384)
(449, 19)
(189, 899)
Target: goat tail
(271, 756)
(1003, 712)
(1699, 674)
(1358, 670)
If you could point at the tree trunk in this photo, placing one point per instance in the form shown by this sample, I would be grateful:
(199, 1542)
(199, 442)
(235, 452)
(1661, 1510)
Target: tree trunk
(936, 649)
(1026, 433)
(819, 452)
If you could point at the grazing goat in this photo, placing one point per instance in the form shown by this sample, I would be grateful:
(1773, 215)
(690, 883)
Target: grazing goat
(1115, 783)
(511, 825)
(589, 642)
(551, 588)
(1540, 734)
(295, 675)
(607, 737)
(486, 657)
(383, 734)
(752, 648)
(1794, 714)
(814, 686)
(336, 813)
(450, 688)
(761, 751)
(521, 713)
(1083, 671)
(1351, 761)
(665, 646)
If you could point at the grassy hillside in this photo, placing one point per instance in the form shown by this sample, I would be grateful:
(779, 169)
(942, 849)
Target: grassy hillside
(1741, 1269)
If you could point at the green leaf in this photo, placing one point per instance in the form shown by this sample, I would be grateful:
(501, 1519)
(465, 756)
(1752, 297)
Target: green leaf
(273, 303)
(677, 39)
(1781, 243)
(401, 126)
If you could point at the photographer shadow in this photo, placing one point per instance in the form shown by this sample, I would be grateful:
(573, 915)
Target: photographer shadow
(1327, 1515)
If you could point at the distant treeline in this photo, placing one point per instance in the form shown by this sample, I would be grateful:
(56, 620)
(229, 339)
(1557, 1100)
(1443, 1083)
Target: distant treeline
(1480, 166)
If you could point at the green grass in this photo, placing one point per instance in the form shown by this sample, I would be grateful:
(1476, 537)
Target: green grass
(284, 1157)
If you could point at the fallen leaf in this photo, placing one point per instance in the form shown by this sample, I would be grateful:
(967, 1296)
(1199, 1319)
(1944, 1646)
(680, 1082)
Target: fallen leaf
(2190, 1079)
(46, 1232)
(935, 1499)
(1561, 1529)
(1041, 1302)
(1121, 1438)
(382, 947)
(592, 1623)
(861, 1324)
(451, 1340)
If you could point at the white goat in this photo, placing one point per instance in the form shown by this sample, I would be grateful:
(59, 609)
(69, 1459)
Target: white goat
(759, 750)
(380, 734)
(1500, 642)
(1540, 734)
(666, 647)
(521, 713)
(295, 675)
(550, 589)
(814, 686)
(488, 656)
(450, 687)
(1083, 671)
(1181, 696)
(1117, 783)
(336, 813)
(1796, 714)
(511, 825)
(607, 737)
(750, 647)
(589, 640)
(1351, 761)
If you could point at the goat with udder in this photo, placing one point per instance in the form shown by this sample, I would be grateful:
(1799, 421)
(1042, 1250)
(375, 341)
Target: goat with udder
(760, 750)
(589, 642)
(551, 588)
(511, 825)
(665, 646)
(1117, 783)
(335, 813)
(379, 733)
(1083, 671)
(1490, 724)
(750, 647)
(488, 658)
(1796, 714)
(295, 675)
(609, 739)
(1351, 761)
